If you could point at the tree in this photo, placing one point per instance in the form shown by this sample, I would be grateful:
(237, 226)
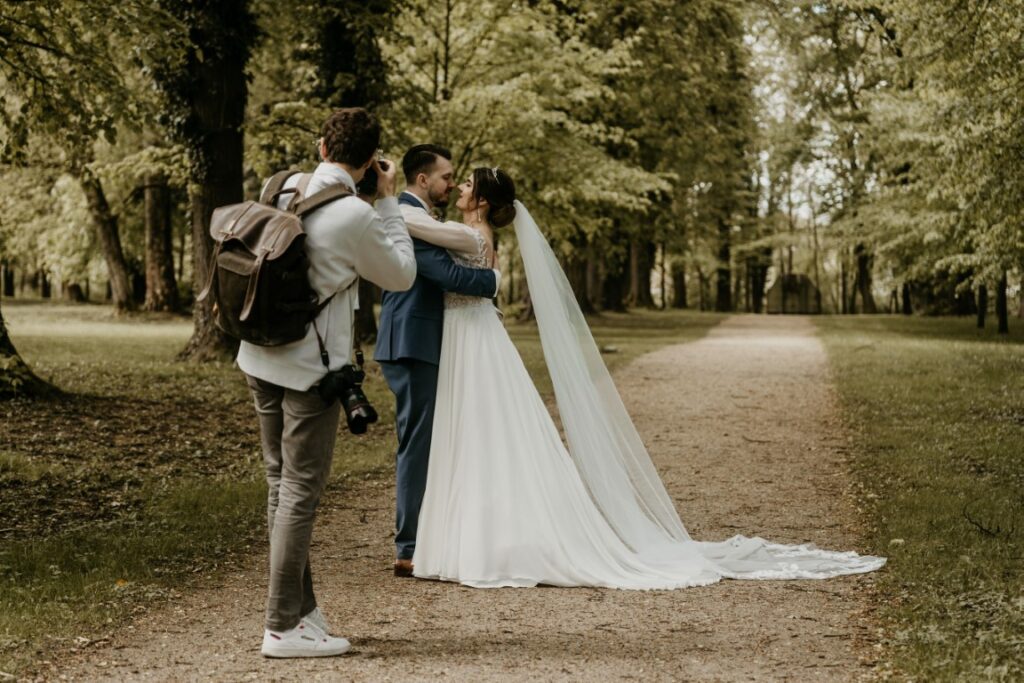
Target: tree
(16, 378)
(66, 90)
(967, 77)
(917, 124)
(62, 91)
(540, 116)
(205, 86)
(337, 46)
(351, 72)
(161, 288)
(685, 104)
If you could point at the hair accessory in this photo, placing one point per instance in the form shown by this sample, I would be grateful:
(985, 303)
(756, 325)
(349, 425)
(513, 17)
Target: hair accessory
(494, 172)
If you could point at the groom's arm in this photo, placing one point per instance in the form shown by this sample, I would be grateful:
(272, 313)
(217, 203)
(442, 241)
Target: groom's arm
(437, 265)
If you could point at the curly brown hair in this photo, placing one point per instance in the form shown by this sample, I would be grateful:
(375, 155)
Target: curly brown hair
(351, 136)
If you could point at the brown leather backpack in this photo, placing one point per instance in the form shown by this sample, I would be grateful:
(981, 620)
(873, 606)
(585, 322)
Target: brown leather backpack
(259, 275)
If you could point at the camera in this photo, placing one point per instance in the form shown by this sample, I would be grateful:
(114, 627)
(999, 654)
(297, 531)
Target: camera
(368, 185)
(346, 385)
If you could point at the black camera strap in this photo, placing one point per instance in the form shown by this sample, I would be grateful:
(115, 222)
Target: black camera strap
(325, 357)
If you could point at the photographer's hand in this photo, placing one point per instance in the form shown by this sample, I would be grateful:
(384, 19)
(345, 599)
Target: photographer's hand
(386, 172)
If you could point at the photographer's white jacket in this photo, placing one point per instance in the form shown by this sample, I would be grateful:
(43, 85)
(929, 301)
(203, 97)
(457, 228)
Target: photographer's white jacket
(345, 240)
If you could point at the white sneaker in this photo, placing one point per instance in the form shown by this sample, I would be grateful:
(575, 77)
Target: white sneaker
(317, 618)
(305, 640)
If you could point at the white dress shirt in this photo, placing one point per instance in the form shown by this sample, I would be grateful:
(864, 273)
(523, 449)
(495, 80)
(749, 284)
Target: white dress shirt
(345, 240)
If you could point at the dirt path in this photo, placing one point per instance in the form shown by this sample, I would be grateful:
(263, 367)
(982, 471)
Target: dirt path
(742, 425)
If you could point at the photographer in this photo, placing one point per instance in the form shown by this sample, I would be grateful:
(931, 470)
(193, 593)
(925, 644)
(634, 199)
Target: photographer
(345, 240)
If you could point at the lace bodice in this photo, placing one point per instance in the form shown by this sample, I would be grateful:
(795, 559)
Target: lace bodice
(480, 260)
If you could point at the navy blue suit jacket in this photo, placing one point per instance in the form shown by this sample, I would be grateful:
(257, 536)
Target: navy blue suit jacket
(412, 322)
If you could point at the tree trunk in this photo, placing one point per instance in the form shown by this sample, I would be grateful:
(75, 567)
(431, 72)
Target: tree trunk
(816, 253)
(44, 285)
(758, 282)
(182, 239)
(366, 321)
(137, 272)
(1002, 309)
(982, 305)
(615, 288)
(1020, 305)
(679, 284)
(864, 264)
(663, 276)
(510, 278)
(216, 109)
(852, 307)
(105, 225)
(723, 296)
(842, 283)
(703, 292)
(641, 262)
(593, 279)
(527, 312)
(16, 378)
(75, 293)
(8, 278)
(908, 307)
(207, 341)
(738, 290)
(748, 286)
(161, 288)
(576, 272)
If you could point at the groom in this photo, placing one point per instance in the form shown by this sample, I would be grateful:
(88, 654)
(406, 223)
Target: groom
(409, 341)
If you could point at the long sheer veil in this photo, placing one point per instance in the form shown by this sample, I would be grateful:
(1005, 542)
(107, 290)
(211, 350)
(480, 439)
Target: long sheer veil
(601, 437)
(609, 454)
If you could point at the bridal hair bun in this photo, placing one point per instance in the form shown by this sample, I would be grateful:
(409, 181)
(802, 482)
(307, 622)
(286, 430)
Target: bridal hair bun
(495, 186)
(501, 216)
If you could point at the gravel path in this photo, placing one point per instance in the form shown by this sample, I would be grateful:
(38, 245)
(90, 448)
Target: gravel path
(743, 426)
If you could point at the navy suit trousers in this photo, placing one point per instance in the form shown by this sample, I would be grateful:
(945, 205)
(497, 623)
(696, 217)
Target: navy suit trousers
(414, 384)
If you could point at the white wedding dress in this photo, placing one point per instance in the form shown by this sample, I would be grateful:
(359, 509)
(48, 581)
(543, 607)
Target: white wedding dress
(508, 504)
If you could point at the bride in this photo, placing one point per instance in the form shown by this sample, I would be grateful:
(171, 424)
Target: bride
(506, 503)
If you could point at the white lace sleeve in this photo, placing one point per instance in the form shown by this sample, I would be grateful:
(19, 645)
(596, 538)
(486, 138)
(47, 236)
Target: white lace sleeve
(449, 235)
(477, 257)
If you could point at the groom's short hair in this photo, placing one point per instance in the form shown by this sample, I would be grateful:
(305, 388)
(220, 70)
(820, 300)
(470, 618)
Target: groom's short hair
(351, 136)
(421, 159)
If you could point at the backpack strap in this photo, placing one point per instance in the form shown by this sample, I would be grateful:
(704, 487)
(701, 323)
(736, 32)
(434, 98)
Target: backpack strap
(275, 187)
(212, 273)
(300, 191)
(322, 198)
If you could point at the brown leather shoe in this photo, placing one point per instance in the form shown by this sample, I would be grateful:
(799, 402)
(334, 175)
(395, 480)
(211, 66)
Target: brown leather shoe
(403, 568)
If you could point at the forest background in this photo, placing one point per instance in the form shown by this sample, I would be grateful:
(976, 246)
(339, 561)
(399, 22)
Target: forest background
(677, 153)
(851, 157)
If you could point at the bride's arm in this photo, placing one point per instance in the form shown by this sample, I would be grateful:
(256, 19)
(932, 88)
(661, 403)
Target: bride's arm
(449, 235)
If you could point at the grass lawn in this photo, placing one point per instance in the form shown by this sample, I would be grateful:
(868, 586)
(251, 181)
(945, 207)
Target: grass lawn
(150, 476)
(938, 413)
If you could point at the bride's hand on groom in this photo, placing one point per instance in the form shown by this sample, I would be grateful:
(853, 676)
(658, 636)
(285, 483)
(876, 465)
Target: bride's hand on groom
(386, 173)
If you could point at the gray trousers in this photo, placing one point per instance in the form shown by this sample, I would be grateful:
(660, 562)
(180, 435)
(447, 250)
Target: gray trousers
(298, 433)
